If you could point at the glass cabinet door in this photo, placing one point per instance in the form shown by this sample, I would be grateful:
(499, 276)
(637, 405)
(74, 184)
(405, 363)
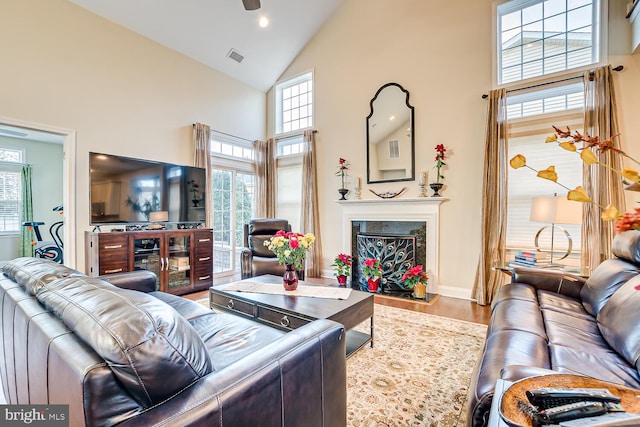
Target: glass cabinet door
(147, 256)
(179, 256)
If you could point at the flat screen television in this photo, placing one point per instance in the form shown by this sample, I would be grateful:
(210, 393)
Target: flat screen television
(126, 190)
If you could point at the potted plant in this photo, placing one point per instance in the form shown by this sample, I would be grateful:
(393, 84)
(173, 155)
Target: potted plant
(437, 186)
(372, 269)
(342, 263)
(415, 278)
(343, 167)
(291, 249)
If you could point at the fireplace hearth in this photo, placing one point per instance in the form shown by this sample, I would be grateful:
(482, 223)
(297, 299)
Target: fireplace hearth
(387, 227)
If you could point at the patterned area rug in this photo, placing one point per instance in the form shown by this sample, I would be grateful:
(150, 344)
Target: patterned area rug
(417, 373)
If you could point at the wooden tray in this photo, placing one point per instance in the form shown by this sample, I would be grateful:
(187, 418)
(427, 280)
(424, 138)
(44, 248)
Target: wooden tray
(514, 403)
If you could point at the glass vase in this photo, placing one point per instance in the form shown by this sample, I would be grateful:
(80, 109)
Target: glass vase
(290, 277)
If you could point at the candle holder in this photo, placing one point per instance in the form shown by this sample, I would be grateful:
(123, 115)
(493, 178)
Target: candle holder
(356, 192)
(423, 189)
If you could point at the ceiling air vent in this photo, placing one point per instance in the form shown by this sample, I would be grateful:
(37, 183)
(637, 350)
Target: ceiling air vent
(235, 55)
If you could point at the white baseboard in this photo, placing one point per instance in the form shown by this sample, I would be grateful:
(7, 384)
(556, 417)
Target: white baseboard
(454, 292)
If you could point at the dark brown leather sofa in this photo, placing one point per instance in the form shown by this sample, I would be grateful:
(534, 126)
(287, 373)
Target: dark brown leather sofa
(137, 357)
(549, 322)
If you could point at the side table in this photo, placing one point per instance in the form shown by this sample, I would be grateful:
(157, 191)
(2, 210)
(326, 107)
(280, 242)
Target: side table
(508, 395)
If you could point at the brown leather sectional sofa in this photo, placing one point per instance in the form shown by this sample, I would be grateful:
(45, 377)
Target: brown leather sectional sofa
(137, 357)
(545, 322)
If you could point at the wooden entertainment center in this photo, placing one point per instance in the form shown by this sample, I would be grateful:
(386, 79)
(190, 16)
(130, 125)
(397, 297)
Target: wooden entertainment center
(182, 259)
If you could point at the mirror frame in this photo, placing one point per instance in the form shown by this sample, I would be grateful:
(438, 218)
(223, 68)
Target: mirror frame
(411, 177)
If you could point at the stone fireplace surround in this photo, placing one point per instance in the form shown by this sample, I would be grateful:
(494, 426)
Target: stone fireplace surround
(425, 209)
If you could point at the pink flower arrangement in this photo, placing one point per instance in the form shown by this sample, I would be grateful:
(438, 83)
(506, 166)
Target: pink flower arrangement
(628, 221)
(290, 247)
(343, 263)
(372, 268)
(413, 276)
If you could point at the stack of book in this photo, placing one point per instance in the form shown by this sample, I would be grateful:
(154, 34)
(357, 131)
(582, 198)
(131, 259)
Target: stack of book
(530, 259)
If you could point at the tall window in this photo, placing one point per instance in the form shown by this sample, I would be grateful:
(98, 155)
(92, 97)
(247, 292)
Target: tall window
(294, 104)
(233, 199)
(540, 37)
(10, 189)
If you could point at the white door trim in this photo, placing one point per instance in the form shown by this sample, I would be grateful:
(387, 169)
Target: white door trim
(68, 182)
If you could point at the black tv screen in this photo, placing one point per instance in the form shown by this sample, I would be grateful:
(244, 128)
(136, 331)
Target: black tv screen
(127, 190)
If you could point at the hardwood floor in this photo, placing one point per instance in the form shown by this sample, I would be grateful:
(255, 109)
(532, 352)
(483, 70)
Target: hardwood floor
(454, 308)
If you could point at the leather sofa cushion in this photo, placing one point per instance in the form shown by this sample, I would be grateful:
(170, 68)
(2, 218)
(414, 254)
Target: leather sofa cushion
(619, 319)
(33, 273)
(151, 349)
(261, 230)
(604, 281)
(626, 245)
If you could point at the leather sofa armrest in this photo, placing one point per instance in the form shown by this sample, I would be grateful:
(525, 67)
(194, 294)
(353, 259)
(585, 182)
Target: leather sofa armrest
(301, 376)
(518, 372)
(549, 280)
(139, 280)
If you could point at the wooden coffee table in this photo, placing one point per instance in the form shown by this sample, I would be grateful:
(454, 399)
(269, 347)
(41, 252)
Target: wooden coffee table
(289, 312)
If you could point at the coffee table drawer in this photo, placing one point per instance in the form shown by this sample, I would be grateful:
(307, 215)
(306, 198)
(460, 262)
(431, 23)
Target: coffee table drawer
(233, 304)
(281, 319)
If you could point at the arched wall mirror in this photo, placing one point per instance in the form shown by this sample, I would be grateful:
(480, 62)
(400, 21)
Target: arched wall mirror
(390, 136)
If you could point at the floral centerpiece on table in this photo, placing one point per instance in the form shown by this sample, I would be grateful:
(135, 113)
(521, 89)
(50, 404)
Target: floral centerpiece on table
(440, 156)
(628, 221)
(290, 247)
(342, 263)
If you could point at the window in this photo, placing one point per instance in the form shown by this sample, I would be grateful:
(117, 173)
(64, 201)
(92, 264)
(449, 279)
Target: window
(537, 37)
(233, 199)
(10, 189)
(294, 104)
(524, 185)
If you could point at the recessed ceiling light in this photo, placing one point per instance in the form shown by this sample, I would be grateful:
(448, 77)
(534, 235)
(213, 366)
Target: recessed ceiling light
(263, 22)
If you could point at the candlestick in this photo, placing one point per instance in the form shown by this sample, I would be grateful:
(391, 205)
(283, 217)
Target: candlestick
(423, 178)
(358, 182)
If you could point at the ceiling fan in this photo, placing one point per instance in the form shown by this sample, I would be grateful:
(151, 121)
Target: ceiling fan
(251, 4)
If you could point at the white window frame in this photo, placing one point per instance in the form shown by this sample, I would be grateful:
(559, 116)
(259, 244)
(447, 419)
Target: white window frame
(279, 88)
(14, 166)
(600, 41)
(234, 164)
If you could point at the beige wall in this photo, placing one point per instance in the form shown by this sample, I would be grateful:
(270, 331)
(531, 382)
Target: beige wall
(123, 94)
(441, 53)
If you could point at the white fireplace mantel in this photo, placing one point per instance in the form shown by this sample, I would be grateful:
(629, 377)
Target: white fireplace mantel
(402, 209)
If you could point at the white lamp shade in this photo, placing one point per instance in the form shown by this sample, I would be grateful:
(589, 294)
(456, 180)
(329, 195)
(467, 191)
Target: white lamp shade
(159, 216)
(556, 210)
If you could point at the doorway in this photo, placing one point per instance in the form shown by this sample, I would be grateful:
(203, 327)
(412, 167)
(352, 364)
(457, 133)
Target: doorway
(40, 144)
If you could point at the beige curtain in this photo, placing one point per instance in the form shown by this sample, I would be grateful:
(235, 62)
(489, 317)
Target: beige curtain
(266, 178)
(601, 183)
(494, 201)
(310, 215)
(202, 159)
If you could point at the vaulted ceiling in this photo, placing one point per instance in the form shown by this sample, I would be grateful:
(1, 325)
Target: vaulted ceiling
(208, 30)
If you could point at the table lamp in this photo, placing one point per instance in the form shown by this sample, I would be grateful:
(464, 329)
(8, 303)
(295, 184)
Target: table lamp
(555, 210)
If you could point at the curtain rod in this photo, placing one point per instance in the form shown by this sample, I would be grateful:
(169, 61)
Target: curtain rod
(568, 79)
(227, 134)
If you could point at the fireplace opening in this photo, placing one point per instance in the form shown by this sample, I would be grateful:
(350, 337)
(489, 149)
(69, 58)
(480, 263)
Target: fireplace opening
(398, 245)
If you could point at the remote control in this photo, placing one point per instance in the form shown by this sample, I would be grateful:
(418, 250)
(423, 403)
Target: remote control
(545, 398)
(571, 411)
(608, 420)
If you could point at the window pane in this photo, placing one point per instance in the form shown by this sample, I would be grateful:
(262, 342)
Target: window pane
(298, 104)
(532, 13)
(562, 31)
(579, 18)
